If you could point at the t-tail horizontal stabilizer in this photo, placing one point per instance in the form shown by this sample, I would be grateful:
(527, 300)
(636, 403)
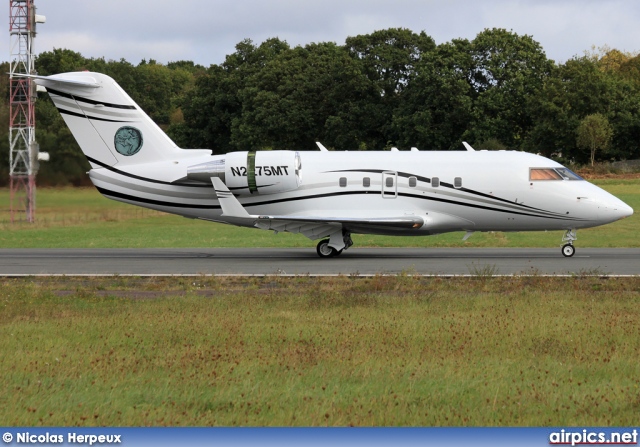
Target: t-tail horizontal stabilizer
(79, 80)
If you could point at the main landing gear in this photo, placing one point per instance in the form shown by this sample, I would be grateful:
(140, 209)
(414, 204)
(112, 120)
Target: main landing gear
(568, 249)
(324, 250)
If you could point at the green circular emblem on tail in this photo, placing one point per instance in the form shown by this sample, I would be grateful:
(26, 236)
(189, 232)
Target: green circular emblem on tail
(128, 141)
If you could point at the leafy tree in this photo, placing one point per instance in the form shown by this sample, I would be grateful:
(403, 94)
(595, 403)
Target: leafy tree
(612, 60)
(390, 56)
(154, 91)
(630, 69)
(436, 107)
(390, 87)
(311, 93)
(389, 59)
(594, 133)
(60, 61)
(189, 66)
(578, 88)
(508, 70)
(208, 110)
(212, 106)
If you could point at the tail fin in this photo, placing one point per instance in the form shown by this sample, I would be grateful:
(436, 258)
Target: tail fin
(107, 124)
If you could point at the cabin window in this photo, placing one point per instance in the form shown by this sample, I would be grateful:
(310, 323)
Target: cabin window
(413, 182)
(544, 174)
(457, 182)
(435, 182)
(366, 182)
(389, 182)
(343, 182)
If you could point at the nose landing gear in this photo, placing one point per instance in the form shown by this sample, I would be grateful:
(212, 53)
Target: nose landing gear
(568, 249)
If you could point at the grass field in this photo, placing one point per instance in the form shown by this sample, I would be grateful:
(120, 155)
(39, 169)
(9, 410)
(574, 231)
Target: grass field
(381, 351)
(81, 217)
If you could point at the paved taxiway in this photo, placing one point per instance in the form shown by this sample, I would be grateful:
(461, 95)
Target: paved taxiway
(302, 261)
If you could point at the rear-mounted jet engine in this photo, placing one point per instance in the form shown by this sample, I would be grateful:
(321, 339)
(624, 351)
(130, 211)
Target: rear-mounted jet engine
(264, 172)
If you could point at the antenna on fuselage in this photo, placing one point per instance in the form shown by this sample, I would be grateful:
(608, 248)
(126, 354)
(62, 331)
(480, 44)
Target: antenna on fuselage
(321, 147)
(468, 147)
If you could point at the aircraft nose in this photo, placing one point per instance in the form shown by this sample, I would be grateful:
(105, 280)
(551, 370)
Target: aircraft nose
(624, 211)
(619, 209)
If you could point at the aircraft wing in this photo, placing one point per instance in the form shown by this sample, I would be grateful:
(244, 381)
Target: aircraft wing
(311, 226)
(318, 227)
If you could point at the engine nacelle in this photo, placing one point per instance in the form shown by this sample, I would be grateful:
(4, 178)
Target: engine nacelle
(263, 172)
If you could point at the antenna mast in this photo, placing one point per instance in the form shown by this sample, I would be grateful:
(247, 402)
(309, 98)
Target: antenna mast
(24, 151)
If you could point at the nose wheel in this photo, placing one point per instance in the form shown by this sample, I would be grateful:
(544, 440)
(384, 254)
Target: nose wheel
(568, 249)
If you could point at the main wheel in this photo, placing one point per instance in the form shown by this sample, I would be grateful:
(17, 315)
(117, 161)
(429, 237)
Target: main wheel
(324, 251)
(568, 250)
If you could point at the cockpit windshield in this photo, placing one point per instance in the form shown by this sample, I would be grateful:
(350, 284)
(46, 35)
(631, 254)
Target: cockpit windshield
(568, 174)
(553, 174)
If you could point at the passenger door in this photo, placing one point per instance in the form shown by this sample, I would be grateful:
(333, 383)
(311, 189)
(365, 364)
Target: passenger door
(389, 185)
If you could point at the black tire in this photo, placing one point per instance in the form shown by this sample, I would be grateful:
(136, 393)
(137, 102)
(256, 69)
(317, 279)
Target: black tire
(324, 251)
(568, 250)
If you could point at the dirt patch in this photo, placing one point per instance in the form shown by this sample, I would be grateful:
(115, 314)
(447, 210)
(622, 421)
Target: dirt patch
(622, 176)
(140, 294)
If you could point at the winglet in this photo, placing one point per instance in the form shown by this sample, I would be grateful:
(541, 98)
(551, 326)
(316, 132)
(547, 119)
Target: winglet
(231, 207)
(468, 146)
(321, 147)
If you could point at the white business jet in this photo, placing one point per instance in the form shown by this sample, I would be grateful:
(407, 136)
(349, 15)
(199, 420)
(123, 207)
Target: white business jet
(321, 194)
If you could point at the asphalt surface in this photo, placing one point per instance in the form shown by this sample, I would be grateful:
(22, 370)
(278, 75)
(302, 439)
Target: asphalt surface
(303, 261)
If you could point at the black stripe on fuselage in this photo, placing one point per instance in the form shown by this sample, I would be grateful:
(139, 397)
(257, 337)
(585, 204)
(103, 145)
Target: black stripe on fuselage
(415, 196)
(90, 101)
(160, 182)
(82, 115)
(319, 196)
(122, 196)
(138, 177)
(489, 208)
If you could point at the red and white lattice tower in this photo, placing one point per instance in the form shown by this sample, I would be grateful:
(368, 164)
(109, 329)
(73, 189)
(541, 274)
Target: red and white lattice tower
(23, 157)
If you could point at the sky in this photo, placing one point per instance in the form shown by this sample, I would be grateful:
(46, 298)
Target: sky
(205, 31)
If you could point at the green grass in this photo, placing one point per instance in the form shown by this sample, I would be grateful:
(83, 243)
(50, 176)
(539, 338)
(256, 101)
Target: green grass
(81, 217)
(381, 351)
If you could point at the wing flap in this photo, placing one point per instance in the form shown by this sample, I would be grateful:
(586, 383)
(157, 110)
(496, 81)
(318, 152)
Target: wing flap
(312, 230)
(405, 222)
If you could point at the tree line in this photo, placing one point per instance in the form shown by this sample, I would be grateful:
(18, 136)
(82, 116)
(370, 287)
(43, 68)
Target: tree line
(389, 88)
